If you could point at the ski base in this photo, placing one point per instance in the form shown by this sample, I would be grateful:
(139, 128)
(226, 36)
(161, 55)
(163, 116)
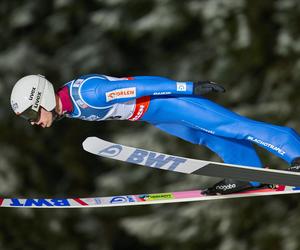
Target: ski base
(174, 163)
(140, 199)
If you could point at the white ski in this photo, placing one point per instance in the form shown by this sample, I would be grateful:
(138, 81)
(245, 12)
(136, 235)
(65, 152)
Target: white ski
(139, 199)
(152, 159)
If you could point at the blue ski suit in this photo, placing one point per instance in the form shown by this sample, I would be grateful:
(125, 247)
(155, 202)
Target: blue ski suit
(170, 106)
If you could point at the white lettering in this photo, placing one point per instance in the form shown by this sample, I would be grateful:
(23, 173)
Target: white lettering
(266, 144)
(139, 113)
(161, 93)
(226, 187)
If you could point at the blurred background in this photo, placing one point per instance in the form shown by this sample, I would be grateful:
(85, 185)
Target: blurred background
(251, 47)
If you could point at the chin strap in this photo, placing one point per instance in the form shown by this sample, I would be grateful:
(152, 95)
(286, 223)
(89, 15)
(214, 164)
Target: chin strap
(57, 117)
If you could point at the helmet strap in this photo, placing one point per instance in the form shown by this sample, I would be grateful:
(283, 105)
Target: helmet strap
(57, 117)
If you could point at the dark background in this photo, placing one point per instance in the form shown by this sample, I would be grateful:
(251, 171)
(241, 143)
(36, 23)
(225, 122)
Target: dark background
(251, 47)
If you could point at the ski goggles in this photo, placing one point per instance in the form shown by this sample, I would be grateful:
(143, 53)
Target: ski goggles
(31, 115)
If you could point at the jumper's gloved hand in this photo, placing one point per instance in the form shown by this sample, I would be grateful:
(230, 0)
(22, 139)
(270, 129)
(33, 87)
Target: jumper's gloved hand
(204, 87)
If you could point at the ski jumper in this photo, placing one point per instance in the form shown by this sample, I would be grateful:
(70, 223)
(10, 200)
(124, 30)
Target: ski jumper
(170, 106)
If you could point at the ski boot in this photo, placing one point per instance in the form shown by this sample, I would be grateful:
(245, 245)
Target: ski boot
(229, 186)
(295, 165)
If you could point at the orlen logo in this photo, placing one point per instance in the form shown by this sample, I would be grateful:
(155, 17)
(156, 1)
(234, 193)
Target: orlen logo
(32, 93)
(120, 93)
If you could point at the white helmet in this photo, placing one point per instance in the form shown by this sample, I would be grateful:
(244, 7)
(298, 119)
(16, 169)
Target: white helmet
(29, 94)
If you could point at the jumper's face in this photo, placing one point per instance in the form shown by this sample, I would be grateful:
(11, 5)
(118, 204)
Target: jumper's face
(46, 119)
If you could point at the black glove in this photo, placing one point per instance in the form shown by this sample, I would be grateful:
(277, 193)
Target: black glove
(204, 87)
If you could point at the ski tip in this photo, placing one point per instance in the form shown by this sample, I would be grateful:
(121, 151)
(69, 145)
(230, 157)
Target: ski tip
(88, 141)
(85, 142)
